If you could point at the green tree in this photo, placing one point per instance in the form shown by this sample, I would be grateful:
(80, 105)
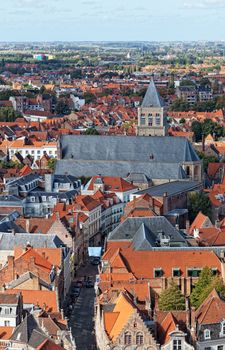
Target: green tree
(8, 164)
(207, 159)
(182, 121)
(76, 74)
(187, 82)
(171, 299)
(89, 97)
(51, 163)
(196, 127)
(180, 106)
(209, 127)
(62, 107)
(198, 202)
(91, 131)
(205, 284)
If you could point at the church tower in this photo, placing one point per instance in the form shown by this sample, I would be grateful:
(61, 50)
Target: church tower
(151, 114)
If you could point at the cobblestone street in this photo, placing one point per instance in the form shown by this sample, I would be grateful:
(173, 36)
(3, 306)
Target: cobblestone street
(82, 316)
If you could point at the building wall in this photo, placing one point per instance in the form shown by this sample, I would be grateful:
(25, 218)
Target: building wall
(35, 152)
(61, 231)
(134, 326)
(17, 267)
(151, 129)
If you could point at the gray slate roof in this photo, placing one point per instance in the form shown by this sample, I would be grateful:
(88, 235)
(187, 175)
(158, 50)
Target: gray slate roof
(25, 277)
(145, 232)
(8, 241)
(152, 97)
(171, 188)
(29, 332)
(8, 226)
(89, 155)
(127, 149)
(172, 171)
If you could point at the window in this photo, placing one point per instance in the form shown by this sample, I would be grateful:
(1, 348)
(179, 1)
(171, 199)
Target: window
(158, 272)
(150, 120)
(142, 119)
(7, 323)
(38, 152)
(127, 338)
(214, 271)
(139, 338)
(8, 311)
(194, 272)
(157, 120)
(220, 347)
(208, 348)
(176, 272)
(176, 344)
(207, 334)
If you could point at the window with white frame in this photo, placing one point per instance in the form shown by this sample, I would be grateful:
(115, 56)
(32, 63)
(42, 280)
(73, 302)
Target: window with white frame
(207, 334)
(177, 344)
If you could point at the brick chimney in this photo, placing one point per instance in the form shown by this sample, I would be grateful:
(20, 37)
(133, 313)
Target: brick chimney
(11, 265)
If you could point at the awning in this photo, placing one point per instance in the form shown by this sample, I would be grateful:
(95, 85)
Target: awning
(95, 251)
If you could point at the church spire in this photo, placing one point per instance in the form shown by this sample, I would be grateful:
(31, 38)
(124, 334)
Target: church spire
(152, 97)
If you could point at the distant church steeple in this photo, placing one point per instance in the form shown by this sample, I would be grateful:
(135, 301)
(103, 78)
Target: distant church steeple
(151, 114)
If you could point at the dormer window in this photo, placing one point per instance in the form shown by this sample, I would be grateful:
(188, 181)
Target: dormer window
(176, 272)
(207, 334)
(158, 272)
(194, 272)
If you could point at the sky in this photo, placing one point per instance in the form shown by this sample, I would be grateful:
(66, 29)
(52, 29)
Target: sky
(112, 20)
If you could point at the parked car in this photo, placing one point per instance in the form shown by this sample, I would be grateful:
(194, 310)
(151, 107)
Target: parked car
(89, 284)
(78, 284)
(95, 261)
(76, 292)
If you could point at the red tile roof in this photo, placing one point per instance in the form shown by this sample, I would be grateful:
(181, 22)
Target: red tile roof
(198, 222)
(112, 184)
(212, 310)
(43, 298)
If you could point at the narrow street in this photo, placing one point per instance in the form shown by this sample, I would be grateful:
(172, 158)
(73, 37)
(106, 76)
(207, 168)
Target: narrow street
(82, 317)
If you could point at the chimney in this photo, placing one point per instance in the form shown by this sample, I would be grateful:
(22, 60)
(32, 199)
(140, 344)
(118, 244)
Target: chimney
(188, 312)
(11, 265)
(187, 225)
(27, 225)
(165, 203)
(48, 182)
(203, 143)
